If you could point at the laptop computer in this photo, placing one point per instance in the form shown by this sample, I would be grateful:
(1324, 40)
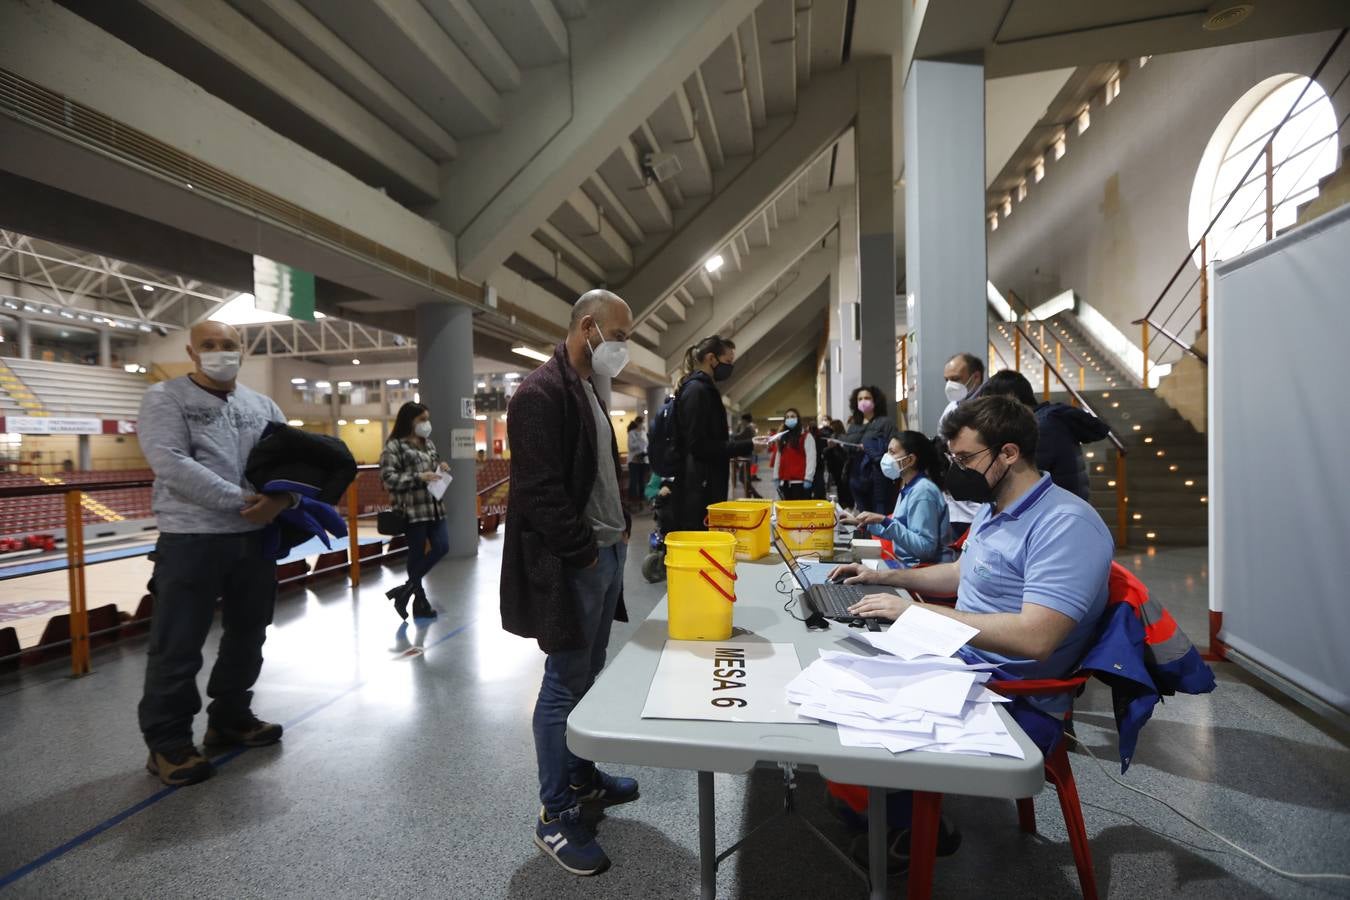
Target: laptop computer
(830, 600)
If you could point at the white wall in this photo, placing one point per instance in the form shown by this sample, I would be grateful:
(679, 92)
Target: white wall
(1109, 219)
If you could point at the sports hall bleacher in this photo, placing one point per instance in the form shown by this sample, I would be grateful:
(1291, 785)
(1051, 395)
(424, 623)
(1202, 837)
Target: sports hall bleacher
(64, 389)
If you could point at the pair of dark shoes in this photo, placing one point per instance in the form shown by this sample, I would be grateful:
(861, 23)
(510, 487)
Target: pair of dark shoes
(181, 766)
(422, 608)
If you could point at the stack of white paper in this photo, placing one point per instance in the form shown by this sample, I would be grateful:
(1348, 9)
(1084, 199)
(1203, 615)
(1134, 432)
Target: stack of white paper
(916, 697)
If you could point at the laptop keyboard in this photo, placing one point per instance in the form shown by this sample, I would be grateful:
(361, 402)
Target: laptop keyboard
(834, 599)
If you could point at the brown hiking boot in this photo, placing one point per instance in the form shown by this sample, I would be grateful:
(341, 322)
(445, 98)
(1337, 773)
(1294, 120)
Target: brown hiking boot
(249, 731)
(180, 766)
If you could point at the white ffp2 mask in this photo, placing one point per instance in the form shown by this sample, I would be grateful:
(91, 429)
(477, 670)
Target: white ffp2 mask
(610, 357)
(422, 429)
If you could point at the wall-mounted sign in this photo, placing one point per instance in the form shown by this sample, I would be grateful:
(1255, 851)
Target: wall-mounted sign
(51, 425)
(461, 443)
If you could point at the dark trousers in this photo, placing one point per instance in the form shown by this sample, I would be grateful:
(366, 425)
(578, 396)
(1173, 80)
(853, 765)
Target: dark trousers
(871, 490)
(420, 559)
(192, 571)
(569, 674)
(637, 481)
(793, 490)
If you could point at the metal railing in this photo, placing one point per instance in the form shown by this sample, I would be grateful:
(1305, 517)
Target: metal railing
(1186, 310)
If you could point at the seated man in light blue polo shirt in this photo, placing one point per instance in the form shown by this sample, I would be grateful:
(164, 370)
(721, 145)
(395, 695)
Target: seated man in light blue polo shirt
(1034, 573)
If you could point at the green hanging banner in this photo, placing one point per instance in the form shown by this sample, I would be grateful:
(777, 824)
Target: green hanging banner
(283, 289)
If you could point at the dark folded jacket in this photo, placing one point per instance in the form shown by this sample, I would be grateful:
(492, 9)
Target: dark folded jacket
(284, 453)
(316, 467)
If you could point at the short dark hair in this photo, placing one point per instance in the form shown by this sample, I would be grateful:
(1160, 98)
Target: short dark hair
(747, 417)
(1009, 383)
(403, 422)
(998, 420)
(974, 365)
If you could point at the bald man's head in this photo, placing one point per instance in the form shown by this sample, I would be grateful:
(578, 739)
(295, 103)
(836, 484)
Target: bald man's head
(603, 307)
(216, 349)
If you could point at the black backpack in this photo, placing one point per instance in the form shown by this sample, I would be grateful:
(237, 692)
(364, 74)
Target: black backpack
(662, 444)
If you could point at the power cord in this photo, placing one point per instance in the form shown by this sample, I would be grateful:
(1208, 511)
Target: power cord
(1214, 834)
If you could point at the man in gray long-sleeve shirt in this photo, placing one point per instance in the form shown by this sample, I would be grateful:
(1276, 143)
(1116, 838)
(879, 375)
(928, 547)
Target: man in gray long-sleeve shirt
(197, 432)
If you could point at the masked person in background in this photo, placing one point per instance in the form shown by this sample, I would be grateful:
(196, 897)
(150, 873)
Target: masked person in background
(703, 444)
(869, 433)
(964, 376)
(918, 528)
(408, 466)
(794, 462)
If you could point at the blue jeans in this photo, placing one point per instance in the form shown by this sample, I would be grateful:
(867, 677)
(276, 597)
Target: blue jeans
(419, 560)
(569, 674)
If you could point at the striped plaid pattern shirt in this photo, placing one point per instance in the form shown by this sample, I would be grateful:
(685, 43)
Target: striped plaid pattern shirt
(401, 465)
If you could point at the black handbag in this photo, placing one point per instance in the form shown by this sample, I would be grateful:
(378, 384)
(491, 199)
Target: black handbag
(391, 522)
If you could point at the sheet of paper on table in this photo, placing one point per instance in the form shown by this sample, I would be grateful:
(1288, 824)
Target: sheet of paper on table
(910, 698)
(725, 681)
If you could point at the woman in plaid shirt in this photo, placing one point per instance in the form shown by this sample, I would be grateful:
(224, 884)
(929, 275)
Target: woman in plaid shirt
(408, 464)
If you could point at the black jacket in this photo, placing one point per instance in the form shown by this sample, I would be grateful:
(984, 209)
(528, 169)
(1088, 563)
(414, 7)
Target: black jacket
(1059, 451)
(285, 453)
(317, 467)
(705, 451)
(551, 431)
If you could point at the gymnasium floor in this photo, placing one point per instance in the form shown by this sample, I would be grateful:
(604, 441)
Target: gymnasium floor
(408, 770)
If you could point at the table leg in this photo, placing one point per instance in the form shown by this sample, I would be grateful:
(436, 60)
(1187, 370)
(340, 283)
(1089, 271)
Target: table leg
(876, 842)
(924, 827)
(707, 838)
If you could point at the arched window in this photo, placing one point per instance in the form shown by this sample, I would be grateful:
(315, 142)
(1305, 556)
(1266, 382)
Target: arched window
(1284, 177)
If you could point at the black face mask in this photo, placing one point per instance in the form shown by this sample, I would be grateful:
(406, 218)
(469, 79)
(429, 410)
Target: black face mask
(722, 371)
(969, 485)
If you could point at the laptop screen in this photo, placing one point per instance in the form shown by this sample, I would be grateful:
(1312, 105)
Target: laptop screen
(788, 558)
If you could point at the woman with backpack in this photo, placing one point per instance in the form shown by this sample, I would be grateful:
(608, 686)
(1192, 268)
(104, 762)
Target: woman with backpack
(408, 465)
(703, 446)
(794, 460)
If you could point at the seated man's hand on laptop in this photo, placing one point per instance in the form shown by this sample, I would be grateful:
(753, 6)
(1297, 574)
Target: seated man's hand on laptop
(881, 606)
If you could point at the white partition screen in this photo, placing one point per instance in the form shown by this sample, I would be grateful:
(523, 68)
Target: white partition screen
(1280, 456)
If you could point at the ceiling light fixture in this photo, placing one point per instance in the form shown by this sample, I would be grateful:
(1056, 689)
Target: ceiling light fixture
(530, 353)
(714, 263)
(1226, 15)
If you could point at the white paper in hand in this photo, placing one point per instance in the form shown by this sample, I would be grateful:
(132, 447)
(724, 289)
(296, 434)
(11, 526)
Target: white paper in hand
(921, 632)
(440, 485)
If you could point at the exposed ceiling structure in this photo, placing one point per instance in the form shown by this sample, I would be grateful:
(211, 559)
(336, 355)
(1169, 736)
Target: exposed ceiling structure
(1019, 36)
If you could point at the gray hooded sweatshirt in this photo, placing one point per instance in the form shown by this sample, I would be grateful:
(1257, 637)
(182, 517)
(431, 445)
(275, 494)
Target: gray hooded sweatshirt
(198, 445)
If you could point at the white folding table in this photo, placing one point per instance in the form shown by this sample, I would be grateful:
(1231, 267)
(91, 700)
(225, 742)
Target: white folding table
(608, 726)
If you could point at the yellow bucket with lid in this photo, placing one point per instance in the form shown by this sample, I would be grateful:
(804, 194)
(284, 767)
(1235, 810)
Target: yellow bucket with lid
(807, 526)
(701, 584)
(748, 521)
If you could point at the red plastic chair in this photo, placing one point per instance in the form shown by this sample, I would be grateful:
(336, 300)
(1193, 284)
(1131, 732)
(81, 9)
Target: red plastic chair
(1058, 773)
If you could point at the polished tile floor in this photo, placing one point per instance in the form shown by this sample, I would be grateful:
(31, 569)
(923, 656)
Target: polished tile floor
(408, 771)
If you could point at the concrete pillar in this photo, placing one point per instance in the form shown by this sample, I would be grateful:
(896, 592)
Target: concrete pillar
(655, 397)
(490, 432)
(944, 225)
(105, 349)
(876, 222)
(25, 339)
(445, 366)
(844, 303)
(85, 461)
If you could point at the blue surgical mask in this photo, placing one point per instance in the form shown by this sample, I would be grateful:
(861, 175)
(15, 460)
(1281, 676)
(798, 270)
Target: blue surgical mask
(790, 423)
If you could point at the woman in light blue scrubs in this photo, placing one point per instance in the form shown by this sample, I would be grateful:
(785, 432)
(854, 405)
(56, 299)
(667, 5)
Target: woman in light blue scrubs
(918, 529)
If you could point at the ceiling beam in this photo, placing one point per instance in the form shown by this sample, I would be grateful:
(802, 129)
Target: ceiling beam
(827, 110)
(316, 44)
(220, 28)
(697, 91)
(738, 291)
(812, 270)
(625, 57)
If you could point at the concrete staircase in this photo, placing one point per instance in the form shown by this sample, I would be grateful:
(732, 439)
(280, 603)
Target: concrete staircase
(1163, 451)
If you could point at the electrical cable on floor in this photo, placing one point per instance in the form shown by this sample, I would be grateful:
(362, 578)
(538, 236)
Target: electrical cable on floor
(1214, 834)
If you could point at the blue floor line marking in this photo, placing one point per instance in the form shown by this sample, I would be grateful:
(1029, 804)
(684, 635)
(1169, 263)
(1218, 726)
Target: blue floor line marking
(219, 762)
